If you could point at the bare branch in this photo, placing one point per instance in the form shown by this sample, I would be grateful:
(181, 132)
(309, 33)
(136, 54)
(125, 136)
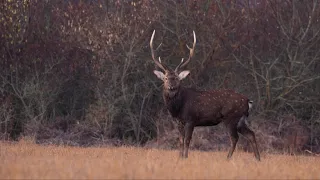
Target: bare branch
(309, 22)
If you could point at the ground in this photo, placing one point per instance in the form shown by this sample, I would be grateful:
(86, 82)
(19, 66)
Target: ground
(32, 161)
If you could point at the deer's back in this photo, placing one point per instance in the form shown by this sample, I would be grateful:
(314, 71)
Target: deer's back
(212, 107)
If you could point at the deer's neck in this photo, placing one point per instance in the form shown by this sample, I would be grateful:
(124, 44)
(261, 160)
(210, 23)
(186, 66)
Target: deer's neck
(174, 102)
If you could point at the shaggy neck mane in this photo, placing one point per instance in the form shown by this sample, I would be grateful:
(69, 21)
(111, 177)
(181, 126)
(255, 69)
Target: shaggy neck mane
(174, 104)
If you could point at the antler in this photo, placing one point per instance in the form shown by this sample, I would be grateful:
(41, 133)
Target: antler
(152, 54)
(182, 63)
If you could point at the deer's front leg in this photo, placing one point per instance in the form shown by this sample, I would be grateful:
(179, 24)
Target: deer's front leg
(181, 138)
(188, 130)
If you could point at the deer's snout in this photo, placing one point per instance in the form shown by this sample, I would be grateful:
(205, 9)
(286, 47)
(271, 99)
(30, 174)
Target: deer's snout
(172, 88)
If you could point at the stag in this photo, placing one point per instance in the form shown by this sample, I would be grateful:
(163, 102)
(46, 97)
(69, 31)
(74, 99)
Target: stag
(192, 107)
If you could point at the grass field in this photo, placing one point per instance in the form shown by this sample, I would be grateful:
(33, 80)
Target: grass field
(31, 161)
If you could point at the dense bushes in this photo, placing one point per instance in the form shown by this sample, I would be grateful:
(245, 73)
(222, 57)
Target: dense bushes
(81, 70)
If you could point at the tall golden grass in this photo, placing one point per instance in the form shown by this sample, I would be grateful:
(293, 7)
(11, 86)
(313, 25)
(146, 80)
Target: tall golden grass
(31, 161)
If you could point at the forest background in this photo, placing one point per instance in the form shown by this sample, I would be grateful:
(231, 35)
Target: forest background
(80, 72)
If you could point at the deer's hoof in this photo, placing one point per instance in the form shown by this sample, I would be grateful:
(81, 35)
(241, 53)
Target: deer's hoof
(258, 158)
(229, 157)
(183, 156)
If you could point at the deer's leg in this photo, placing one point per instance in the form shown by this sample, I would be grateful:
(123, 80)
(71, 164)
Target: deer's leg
(181, 138)
(250, 136)
(188, 130)
(233, 134)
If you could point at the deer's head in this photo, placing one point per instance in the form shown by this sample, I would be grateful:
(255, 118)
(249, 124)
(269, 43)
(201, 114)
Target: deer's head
(171, 78)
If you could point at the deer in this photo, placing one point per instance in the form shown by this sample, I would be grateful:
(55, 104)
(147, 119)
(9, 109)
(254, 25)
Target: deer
(192, 108)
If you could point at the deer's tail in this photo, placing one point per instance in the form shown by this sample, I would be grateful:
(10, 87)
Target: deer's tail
(243, 120)
(250, 103)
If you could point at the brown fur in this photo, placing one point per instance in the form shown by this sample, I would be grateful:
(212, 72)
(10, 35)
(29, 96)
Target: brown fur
(193, 108)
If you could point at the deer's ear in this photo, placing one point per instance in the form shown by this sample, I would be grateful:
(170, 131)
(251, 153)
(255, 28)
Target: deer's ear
(183, 74)
(159, 74)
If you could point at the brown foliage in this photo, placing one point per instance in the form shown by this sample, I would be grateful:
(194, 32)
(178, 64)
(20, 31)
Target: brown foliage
(294, 134)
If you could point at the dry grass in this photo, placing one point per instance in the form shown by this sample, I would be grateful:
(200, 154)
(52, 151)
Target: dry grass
(27, 160)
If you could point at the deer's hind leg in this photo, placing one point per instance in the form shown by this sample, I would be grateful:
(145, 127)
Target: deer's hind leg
(249, 135)
(233, 134)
